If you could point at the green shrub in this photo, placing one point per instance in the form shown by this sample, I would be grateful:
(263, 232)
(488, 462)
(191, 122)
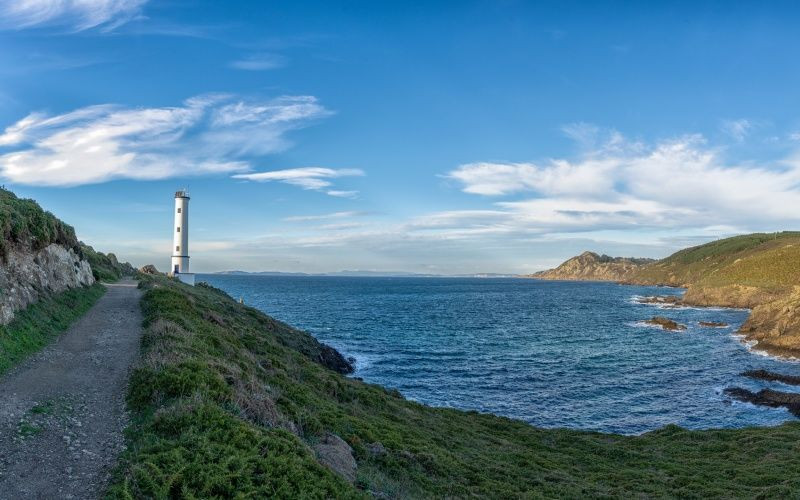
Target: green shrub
(23, 223)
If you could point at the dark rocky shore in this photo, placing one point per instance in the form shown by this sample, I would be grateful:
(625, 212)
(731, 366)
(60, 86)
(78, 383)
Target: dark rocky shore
(767, 397)
(665, 323)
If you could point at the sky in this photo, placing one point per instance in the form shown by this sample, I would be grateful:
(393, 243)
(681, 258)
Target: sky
(434, 137)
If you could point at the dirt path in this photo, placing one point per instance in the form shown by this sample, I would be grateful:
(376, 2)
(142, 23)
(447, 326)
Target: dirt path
(62, 412)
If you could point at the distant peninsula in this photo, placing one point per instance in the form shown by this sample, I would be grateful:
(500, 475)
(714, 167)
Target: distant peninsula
(590, 266)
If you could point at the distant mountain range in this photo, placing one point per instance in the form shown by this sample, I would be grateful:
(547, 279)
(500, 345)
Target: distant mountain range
(372, 274)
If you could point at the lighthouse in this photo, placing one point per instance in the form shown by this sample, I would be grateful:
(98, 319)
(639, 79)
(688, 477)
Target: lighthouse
(180, 244)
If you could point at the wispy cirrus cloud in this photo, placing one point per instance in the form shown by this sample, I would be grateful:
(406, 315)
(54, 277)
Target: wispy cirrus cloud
(206, 134)
(332, 215)
(738, 129)
(260, 62)
(76, 15)
(310, 178)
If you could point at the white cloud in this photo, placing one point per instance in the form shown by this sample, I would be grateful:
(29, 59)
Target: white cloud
(206, 134)
(311, 178)
(78, 15)
(259, 62)
(673, 184)
(342, 194)
(738, 129)
(333, 215)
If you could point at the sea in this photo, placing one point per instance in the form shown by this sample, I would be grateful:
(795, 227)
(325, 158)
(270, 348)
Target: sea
(550, 353)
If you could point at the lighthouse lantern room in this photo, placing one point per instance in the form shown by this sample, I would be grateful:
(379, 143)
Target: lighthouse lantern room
(180, 248)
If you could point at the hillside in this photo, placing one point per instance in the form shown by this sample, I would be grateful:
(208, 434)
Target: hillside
(590, 266)
(228, 401)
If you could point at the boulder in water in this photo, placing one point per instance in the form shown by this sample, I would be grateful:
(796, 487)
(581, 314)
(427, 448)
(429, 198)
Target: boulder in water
(665, 323)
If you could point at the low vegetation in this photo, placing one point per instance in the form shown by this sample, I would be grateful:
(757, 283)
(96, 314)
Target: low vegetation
(106, 267)
(40, 323)
(768, 260)
(24, 223)
(229, 402)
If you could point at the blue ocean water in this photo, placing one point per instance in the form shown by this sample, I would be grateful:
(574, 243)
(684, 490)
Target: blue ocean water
(554, 354)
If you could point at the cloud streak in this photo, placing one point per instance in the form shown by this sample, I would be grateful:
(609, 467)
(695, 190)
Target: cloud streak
(309, 178)
(259, 62)
(78, 15)
(205, 135)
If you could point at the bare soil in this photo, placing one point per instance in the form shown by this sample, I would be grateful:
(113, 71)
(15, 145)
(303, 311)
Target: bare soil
(62, 412)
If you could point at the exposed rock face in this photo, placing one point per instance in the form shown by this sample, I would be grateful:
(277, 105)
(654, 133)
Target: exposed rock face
(775, 325)
(667, 300)
(333, 359)
(772, 377)
(767, 397)
(589, 266)
(665, 323)
(149, 269)
(27, 276)
(334, 453)
(713, 324)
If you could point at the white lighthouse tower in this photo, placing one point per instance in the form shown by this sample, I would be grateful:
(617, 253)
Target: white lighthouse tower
(180, 248)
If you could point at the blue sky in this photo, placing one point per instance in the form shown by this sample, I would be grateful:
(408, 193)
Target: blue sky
(447, 137)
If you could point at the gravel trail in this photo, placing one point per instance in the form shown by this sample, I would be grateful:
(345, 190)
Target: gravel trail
(62, 412)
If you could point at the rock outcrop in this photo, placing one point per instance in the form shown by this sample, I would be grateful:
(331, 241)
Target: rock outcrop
(26, 276)
(772, 376)
(767, 397)
(149, 269)
(665, 323)
(590, 266)
(334, 453)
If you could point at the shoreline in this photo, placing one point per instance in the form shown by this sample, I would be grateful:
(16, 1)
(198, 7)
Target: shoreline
(748, 338)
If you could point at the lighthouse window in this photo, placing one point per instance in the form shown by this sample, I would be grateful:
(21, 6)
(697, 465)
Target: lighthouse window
(179, 229)
(178, 248)
(179, 210)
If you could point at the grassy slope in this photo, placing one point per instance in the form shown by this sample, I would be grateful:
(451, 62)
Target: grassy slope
(37, 325)
(24, 223)
(224, 404)
(760, 260)
(106, 267)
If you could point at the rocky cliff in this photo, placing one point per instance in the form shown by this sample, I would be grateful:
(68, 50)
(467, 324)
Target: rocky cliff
(26, 276)
(39, 255)
(590, 266)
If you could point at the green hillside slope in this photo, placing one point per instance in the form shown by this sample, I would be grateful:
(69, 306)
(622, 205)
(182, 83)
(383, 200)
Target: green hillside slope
(229, 402)
(24, 223)
(769, 260)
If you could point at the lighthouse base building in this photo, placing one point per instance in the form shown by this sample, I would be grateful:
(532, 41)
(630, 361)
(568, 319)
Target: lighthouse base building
(180, 249)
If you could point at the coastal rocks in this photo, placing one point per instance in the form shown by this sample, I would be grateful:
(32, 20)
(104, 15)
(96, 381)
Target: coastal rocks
(665, 323)
(334, 453)
(739, 296)
(149, 269)
(669, 300)
(767, 397)
(713, 324)
(26, 276)
(590, 266)
(772, 377)
(775, 325)
(333, 359)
